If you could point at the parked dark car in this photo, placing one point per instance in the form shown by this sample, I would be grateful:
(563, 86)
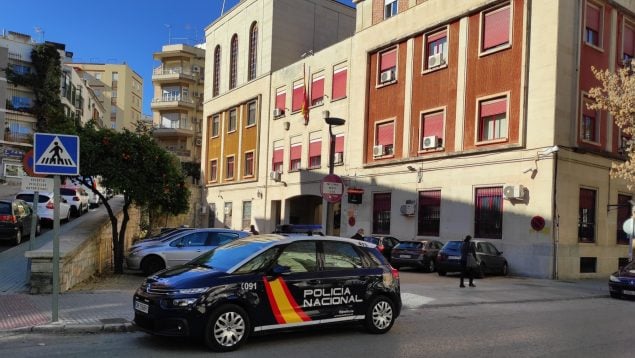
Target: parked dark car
(491, 260)
(384, 244)
(15, 220)
(421, 254)
(622, 282)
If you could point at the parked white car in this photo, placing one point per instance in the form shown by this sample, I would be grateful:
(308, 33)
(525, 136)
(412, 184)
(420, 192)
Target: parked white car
(46, 205)
(77, 198)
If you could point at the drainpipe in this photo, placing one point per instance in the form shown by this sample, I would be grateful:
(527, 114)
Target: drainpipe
(556, 216)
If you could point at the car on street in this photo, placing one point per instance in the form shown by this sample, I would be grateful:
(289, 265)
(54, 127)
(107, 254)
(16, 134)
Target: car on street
(153, 240)
(179, 249)
(384, 244)
(77, 198)
(266, 283)
(16, 217)
(491, 260)
(46, 205)
(420, 254)
(622, 282)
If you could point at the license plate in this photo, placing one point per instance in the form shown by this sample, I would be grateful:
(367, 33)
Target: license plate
(404, 256)
(454, 257)
(627, 292)
(140, 306)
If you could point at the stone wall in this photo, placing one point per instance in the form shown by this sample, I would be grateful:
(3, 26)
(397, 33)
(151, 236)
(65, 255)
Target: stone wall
(85, 250)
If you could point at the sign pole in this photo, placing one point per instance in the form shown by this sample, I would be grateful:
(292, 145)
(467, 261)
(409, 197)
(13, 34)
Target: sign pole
(36, 198)
(56, 247)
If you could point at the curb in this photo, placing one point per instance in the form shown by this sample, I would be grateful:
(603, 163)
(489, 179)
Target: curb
(61, 328)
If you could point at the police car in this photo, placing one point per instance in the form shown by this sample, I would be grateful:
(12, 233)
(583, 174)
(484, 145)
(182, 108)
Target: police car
(264, 283)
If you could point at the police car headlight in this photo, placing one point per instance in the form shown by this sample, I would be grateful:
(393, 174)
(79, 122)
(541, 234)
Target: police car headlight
(183, 302)
(614, 279)
(193, 291)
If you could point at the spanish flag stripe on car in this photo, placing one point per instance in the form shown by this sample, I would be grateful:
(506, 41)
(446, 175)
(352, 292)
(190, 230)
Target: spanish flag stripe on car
(284, 307)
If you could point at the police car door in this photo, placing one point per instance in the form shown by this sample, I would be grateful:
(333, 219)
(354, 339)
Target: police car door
(344, 281)
(295, 274)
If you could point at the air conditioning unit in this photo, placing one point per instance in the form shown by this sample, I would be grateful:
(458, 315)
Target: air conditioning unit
(274, 175)
(338, 158)
(387, 76)
(435, 60)
(430, 141)
(198, 142)
(408, 209)
(378, 150)
(514, 192)
(277, 112)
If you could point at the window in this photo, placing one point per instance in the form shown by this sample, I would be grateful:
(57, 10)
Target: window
(216, 80)
(18, 103)
(278, 155)
(493, 119)
(429, 215)
(233, 62)
(251, 113)
(339, 84)
(281, 98)
(246, 214)
(588, 264)
(213, 170)
(586, 215)
(300, 256)
(431, 130)
(340, 256)
(253, 51)
(249, 164)
(14, 170)
(229, 173)
(390, 8)
(623, 214)
(215, 125)
(115, 76)
(295, 154)
(317, 90)
(590, 124)
(593, 25)
(20, 69)
(488, 216)
(628, 43)
(339, 149)
(436, 49)
(98, 75)
(227, 220)
(381, 213)
(298, 97)
(231, 126)
(387, 66)
(384, 137)
(496, 28)
(315, 153)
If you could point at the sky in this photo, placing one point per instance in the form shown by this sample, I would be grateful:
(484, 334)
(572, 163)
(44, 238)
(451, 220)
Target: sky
(99, 32)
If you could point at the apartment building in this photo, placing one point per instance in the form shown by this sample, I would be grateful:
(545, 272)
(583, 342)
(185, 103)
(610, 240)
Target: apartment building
(119, 89)
(177, 103)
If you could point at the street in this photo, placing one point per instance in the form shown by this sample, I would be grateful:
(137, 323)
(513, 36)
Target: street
(562, 328)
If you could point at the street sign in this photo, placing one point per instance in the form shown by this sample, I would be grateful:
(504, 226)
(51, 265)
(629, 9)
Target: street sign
(37, 184)
(332, 188)
(56, 154)
(27, 164)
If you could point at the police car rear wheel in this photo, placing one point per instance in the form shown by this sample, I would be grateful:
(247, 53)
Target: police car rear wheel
(380, 315)
(228, 327)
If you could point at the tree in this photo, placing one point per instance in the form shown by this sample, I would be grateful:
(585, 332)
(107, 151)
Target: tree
(132, 164)
(616, 95)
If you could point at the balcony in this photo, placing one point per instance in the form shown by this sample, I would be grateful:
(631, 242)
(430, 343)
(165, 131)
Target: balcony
(163, 74)
(179, 130)
(170, 101)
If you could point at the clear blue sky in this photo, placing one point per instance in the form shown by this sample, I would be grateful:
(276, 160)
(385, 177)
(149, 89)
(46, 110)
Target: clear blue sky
(97, 32)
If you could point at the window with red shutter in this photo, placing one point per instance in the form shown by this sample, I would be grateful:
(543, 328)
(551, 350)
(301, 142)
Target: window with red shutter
(278, 157)
(385, 136)
(593, 23)
(590, 123)
(315, 153)
(295, 155)
(387, 66)
(339, 83)
(493, 119)
(281, 98)
(339, 149)
(628, 44)
(496, 28)
(317, 91)
(298, 97)
(213, 170)
(431, 126)
(488, 216)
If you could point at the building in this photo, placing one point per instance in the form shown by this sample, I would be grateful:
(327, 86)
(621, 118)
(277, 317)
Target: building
(462, 117)
(120, 90)
(177, 104)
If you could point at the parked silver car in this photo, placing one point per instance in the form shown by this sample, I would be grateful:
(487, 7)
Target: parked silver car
(179, 249)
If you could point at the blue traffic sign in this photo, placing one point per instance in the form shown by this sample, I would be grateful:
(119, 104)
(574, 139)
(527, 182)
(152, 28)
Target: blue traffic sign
(56, 154)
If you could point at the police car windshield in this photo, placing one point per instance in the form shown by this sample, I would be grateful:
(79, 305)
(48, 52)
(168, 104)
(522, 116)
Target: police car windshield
(229, 255)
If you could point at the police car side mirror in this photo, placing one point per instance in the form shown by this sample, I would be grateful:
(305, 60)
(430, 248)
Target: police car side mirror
(278, 270)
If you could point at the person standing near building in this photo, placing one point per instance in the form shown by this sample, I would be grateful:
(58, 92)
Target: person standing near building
(359, 235)
(252, 230)
(468, 261)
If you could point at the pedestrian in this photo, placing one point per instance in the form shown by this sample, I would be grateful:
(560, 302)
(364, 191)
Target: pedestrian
(359, 235)
(253, 231)
(469, 261)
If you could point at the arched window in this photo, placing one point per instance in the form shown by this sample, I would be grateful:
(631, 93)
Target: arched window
(253, 51)
(233, 59)
(216, 83)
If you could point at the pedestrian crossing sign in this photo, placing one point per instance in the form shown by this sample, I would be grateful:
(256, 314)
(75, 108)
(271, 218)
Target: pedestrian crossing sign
(56, 154)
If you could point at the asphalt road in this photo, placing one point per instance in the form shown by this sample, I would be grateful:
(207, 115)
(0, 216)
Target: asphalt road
(566, 328)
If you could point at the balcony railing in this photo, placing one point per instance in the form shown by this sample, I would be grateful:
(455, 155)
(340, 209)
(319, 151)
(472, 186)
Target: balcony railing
(173, 98)
(174, 126)
(162, 70)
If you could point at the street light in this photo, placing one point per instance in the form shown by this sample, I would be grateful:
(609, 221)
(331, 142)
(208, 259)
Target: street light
(331, 121)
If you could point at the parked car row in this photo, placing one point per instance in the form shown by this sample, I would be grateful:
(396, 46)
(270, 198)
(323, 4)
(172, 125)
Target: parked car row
(46, 205)
(16, 217)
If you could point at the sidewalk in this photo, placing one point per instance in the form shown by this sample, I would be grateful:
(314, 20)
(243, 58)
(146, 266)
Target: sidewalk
(105, 304)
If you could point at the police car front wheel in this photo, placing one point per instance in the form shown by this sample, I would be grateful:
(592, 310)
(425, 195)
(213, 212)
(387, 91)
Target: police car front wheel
(228, 327)
(380, 315)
